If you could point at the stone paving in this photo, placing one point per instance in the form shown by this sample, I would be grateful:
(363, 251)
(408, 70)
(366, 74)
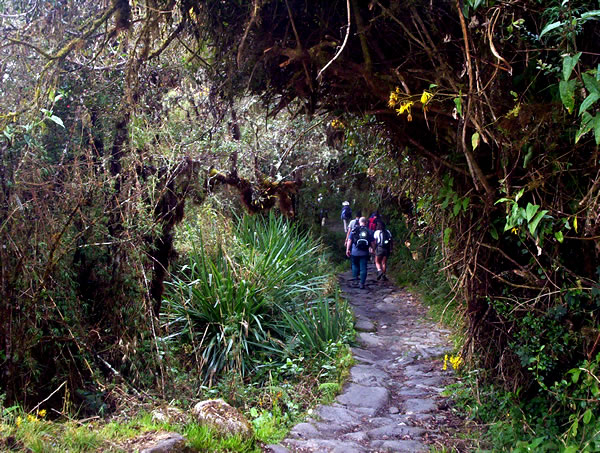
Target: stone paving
(392, 400)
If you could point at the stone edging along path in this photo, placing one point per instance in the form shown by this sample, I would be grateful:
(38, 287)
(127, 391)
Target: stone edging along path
(392, 401)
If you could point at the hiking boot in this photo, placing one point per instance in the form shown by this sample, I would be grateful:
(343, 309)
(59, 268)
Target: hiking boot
(362, 286)
(379, 275)
(384, 277)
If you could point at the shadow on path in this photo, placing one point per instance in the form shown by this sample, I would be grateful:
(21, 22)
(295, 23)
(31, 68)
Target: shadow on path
(392, 401)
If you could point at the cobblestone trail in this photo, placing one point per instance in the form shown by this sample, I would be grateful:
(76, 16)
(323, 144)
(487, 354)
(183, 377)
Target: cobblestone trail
(392, 401)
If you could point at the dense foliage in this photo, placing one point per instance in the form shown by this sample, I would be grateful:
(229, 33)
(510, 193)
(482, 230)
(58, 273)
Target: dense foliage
(480, 117)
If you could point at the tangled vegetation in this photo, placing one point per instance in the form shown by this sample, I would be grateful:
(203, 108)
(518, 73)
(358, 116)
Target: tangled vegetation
(477, 120)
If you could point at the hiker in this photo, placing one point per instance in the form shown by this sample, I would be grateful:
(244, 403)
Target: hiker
(383, 240)
(322, 216)
(373, 218)
(360, 242)
(346, 215)
(353, 223)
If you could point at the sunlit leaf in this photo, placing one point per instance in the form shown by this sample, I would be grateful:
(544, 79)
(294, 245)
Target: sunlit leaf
(475, 140)
(550, 27)
(567, 93)
(590, 14)
(57, 120)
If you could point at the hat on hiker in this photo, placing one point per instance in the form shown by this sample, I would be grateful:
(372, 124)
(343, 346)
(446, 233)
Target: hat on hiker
(345, 203)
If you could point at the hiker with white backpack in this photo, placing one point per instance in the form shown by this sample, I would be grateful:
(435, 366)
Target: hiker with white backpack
(383, 240)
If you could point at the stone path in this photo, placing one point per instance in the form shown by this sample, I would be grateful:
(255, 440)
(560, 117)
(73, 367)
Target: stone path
(392, 401)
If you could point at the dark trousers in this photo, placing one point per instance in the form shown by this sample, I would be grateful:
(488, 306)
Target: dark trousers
(359, 263)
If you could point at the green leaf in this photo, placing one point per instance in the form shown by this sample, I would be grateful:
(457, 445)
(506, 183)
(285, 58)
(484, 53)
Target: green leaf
(588, 123)
(519, 194)
(550, 27)
(447, 234)
(465, 203)
(575, 372)
(57, 120)
(494, 232)
(587, 416)
(458, 103)
(587, 102)
(590, 14)
(456, 209)
(559, 236)
(569, 63)
(528, 156)
(567, 93)
(591, 84)
(475, 140)
(534, 223)
(530, 211)
(586, 126)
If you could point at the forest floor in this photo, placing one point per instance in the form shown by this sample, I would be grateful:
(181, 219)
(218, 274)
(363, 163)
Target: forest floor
(393, 399)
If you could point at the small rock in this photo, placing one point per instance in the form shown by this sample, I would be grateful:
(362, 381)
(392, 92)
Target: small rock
(166, 443)
(393, 410)
(364, 397)
(275, 449)
(304, 431)
(364, 325)
(169, 414)
(223, 418)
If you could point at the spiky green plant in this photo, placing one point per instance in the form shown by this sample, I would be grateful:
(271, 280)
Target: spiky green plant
(323, 322)
(229, 305)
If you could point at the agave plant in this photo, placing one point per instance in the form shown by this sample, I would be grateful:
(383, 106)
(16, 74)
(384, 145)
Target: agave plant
(228, 305)
(285, 260)
(324, 321)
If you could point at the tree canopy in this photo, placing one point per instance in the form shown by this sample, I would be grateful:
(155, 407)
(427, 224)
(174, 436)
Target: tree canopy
(116, 114)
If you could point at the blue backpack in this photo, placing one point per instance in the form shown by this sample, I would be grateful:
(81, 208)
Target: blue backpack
(346, 213)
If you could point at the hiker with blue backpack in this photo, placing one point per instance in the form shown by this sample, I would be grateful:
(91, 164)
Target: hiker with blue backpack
(346, 215)
(383, 241)
(360, 241)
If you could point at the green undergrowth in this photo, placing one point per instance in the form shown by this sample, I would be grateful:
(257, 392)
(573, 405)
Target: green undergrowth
(567, 422)
(555, 414)
(253, 315)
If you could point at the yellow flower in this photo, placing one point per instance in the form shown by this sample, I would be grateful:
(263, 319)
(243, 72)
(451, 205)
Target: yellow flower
(42, 413)
(19, 421)
(337, 124)
(514, 230)
(425, 97)
(456, 362)
(405, 107)
(31, 418)
(394, 97)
